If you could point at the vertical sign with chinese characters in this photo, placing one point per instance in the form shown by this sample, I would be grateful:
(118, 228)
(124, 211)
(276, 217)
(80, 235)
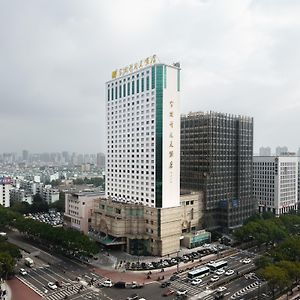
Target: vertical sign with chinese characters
(171, 140)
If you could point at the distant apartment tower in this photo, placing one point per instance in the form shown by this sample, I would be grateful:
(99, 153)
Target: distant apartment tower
(25, 155)
(276, 183)
(5, 187)
(216, 157)
(50, 194)
(281, 150)
(101, 160)
(143, 134)
(264, 151)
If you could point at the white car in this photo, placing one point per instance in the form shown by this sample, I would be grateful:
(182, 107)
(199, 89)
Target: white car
(221, 289)
(247, 261)
(23, 272)
(107, 283)
(52, 285)
(220, 272)
(229, 272)
(215, 278)
(196, 281)
(181, 292)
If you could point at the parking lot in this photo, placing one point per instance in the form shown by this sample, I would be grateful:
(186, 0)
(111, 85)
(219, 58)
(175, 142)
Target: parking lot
(51, 218)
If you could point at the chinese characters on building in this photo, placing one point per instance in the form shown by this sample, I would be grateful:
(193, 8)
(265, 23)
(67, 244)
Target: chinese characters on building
(134, 67)
(171, 140)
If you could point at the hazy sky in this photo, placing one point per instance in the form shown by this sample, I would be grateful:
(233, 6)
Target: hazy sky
(237, 56)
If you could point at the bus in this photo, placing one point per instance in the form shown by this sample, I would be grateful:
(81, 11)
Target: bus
(201, 272)
(217, 265)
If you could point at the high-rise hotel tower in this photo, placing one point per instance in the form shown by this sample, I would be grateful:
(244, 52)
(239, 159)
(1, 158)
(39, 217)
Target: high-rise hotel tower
(143, 134)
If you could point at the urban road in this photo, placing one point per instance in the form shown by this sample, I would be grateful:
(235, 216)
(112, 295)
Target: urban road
(78, 281)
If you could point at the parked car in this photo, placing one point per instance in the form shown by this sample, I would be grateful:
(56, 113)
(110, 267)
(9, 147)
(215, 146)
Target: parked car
(246, 261)
(196, 281)
(107, 283)
(181, 292)
(214, 278)
(120, 285)
(23, 272)
(229, 272)
(220, 272)
(133, 297)
(52, 285)
(221, 289)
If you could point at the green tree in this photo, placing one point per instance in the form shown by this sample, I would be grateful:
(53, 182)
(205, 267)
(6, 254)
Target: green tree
(293, 271)
(276, 277)
(6, 265)
(38, 204)
(21, 207)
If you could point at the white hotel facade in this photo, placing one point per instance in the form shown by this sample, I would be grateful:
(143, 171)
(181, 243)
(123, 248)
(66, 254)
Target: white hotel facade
(143, 134)
(276, 183)
(143, 211)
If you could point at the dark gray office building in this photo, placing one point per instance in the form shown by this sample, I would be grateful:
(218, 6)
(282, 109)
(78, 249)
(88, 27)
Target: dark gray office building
(216, 157)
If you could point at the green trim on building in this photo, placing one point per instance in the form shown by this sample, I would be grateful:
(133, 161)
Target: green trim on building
(153, 78)
(165, 76)
(158, 134)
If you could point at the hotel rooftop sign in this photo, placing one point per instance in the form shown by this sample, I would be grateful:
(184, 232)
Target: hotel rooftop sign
(134, 67)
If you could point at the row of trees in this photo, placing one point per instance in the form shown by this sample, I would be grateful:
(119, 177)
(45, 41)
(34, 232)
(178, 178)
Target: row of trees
(58, 239)
(8, 255)
(280, 265)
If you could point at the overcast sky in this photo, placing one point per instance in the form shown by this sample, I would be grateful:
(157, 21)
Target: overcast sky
(237, 56)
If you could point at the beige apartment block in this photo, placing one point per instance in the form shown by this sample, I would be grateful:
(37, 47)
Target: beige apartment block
(140, 229)
(78, 210)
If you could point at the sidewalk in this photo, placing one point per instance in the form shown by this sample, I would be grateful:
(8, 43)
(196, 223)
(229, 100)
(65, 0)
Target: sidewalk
(6, 290)
(19, 291)
(141, 276)
(295, 295)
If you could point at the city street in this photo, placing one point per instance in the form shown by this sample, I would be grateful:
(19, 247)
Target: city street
(78, 281)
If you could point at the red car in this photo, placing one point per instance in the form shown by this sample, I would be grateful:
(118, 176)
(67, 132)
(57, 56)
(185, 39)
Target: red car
(168, 292)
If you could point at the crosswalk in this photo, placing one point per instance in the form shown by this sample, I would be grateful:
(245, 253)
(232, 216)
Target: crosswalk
(192, 290)
(99, 279)
(67, 291)
(245, 290)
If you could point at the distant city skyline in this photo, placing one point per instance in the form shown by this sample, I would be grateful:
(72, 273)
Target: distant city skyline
(54, 65)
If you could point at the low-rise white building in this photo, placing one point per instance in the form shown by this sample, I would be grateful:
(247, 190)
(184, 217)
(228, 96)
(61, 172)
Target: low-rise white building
(50, 194)
(20, 195)
(275, 180)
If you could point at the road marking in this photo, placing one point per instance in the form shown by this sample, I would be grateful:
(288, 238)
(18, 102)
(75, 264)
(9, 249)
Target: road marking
(46, 279)
(41, 283)
(55, 279)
